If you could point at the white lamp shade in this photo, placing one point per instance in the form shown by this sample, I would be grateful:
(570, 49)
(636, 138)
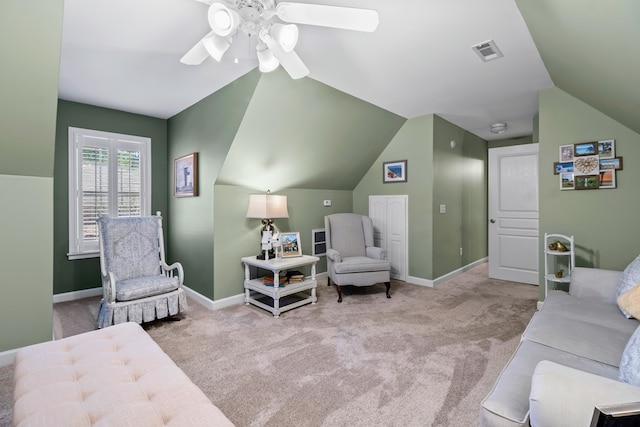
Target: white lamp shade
(285, 35)
(266, 60)
(222, 20)
(216, 46)
(267, 206)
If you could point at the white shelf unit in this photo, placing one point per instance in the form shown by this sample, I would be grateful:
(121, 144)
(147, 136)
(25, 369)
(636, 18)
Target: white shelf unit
(556, 260)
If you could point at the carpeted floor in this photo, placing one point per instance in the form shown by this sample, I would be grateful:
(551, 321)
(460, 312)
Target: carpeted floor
(425, 357)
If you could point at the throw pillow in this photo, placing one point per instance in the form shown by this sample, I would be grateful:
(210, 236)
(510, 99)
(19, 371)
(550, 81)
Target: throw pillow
(630, 301)
(630, 278)
(630, 362)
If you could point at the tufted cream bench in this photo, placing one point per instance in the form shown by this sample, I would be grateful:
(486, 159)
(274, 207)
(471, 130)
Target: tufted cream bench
(117, 376)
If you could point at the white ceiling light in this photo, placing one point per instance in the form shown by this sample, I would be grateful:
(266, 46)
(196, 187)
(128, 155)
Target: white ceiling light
(286, 35)
(223, 20)
(277, 41)
(498, 128)
(266, 60)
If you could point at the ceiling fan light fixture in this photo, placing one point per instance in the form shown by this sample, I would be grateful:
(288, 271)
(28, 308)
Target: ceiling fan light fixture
(215, 46)
(223, 21)
(285, 35)
(267, 62)
(498, 128)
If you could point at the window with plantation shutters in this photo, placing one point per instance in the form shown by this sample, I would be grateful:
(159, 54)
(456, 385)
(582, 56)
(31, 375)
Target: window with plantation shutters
(109, 174)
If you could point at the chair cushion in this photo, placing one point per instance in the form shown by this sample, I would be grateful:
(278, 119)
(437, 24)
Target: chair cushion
(131, 246)
(141, 287)
(347, 234)
(359, 264)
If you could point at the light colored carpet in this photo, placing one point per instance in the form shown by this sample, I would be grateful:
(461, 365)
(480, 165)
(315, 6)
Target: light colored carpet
(425, 357)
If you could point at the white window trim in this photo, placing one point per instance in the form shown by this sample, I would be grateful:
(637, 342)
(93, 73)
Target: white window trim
(78, 249)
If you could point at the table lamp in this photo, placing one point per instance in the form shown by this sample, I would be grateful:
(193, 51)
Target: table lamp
(267, 206)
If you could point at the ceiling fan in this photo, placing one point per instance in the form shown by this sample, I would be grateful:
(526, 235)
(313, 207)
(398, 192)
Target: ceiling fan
(276, 40)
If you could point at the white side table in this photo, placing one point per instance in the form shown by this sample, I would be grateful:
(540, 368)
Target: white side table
(276, 292)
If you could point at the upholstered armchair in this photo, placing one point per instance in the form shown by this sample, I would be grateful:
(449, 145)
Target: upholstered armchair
(351, 257)
(137, 284)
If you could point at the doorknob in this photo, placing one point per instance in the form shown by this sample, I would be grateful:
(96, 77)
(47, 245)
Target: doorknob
(492, 221)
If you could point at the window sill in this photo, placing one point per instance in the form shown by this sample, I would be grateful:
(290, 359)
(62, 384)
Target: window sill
(83, 255)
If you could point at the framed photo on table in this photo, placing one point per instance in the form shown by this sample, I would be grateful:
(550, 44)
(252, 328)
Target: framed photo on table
(185, 176)
(290, 244)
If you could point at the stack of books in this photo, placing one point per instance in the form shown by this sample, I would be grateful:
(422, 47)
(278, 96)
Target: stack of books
(282, 279)
(295, 276)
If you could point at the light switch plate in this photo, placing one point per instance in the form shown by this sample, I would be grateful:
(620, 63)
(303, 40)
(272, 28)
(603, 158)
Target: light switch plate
(443, 208)
(326, 203)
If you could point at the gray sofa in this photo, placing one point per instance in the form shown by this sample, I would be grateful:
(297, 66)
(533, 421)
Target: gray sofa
(568, 359)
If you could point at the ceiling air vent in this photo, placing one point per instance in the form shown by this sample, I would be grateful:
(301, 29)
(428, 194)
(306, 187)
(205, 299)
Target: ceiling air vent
(487, 51)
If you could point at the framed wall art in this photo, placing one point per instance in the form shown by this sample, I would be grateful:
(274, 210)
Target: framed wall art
(185, 176)
(395, 171)
(588, 165)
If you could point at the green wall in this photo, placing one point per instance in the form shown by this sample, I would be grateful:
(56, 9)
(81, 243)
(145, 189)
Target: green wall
(85, 273)
(236, 236)
(437, 174)
(603, 222)
(30, 35)
(208, 128)
(507, 142)
(305, 134)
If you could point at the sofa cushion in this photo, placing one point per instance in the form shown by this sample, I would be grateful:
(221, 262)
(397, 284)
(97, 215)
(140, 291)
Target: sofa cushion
(630, 301)
(588, 340)
(630, 361)
(563, 304)
(508, 402)
(629, 279)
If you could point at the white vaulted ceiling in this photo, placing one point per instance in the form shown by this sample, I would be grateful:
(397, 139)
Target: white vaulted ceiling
(124, 54)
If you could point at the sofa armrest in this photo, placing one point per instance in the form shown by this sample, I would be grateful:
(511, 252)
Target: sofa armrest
(376, 253)
(594, 284)
(565, 396)
(334, 255)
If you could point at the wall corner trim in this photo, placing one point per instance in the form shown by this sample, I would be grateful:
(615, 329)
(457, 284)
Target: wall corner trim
(8, 357)
(211, 304)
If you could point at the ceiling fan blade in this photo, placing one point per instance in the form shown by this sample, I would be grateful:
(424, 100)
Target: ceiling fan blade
(347, 18)
(196, 55)
(290, 61)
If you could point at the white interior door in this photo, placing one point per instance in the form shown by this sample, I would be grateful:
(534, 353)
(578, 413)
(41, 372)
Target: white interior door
(389, 215)
(513, 213)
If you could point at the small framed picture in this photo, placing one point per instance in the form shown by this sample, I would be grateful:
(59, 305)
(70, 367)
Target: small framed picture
(290, 244)
(566, 181)
(585, 149)
(562, 167)
(587, 182)
(586, 165)
(185, 176)
(566, 153)
(607, 179)
(615, 163)
(394, 171)
(607, 148)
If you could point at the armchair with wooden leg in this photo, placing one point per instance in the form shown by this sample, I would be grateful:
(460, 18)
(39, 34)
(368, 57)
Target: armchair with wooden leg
(351, 257)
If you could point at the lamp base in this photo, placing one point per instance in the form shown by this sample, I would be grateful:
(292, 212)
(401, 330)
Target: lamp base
(269, 255)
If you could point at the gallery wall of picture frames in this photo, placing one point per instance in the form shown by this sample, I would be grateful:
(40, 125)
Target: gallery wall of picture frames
(588, 165)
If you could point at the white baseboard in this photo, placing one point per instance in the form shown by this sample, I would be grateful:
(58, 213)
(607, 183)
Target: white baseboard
(211, 304)
(8, 357)
(75, 295)
(435, 282)
(540, 304)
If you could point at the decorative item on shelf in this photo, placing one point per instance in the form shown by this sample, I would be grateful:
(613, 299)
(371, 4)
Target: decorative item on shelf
(558, 246)
(291, 245)
(560, 273)
(267, 206)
